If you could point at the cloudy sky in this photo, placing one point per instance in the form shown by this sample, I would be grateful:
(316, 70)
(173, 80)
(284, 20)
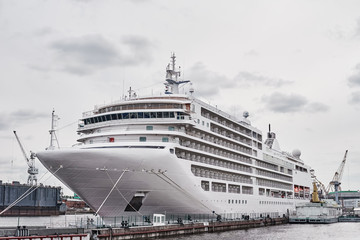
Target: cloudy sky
(294, 64)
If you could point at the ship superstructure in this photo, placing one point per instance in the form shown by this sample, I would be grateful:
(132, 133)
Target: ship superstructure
(174, 153)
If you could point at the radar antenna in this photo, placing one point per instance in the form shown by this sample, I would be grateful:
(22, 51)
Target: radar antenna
(32, 170)
(172, 77)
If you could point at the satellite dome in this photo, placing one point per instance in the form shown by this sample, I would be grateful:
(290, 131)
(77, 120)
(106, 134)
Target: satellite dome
(246, 114)
(296, 153)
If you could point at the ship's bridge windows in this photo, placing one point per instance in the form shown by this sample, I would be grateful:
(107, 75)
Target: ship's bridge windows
(114, 116)
(142, 139)
(132, 115)
(125, 116)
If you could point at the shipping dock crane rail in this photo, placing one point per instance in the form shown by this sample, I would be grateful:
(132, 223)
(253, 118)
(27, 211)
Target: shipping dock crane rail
(32, 170)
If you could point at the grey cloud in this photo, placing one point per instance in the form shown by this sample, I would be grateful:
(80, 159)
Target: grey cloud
(25, 114)
(44, 31)
(19, 116)
(357, 30)
(3, 123)
(208, 82)
(90, 50)
(354, 80)
(279, 102)
(250, 79)
(317, 107)
(86, 54)
(355, 98)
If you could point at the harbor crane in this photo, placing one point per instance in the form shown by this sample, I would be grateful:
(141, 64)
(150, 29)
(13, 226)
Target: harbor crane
(334, 185)
(319, 185)
(32, 170)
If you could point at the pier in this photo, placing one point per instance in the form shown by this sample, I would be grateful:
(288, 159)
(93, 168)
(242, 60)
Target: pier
(135, 232)
(181, 229)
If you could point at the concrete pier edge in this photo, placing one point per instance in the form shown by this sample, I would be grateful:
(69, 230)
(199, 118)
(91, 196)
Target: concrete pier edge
(183, 229)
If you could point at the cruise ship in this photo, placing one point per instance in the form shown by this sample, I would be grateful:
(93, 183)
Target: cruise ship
(176, 154)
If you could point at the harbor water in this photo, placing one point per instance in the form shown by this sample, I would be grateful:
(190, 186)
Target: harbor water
(341, 231)
(335, 231)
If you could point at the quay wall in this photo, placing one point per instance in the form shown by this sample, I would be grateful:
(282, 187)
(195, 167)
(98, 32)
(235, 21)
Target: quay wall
(176, 229)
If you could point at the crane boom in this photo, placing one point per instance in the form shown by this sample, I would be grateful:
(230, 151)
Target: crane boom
(32, 170)
(340, 171)
(336, 180)
(22, 149)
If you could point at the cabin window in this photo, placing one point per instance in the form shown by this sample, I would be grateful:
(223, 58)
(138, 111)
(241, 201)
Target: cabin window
(149, 127)
(165, 139)
(205, 185)
(171, 128)
(114, 116)
(142, 139)
(166, 114)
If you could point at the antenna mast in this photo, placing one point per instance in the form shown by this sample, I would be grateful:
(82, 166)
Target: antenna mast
(53, 138)
(172, 77)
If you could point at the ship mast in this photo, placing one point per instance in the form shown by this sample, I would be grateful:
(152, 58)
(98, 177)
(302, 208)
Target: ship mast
(172, 77)
(53, 138)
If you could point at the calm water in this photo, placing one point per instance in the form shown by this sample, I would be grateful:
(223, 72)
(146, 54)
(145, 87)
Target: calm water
(343, 231)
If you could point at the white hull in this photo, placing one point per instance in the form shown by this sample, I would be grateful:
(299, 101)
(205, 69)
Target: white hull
(168, 182)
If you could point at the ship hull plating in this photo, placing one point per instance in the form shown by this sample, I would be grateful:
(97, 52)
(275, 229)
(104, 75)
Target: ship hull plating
(144, 180)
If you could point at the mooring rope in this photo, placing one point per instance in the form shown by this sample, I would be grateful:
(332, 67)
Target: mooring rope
(124, 196)
(112, 189)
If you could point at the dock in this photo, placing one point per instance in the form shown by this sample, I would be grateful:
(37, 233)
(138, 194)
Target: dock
(182, 229)
(136, 232)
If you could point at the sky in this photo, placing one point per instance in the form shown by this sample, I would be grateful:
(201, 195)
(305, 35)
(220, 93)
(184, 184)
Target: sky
(292, 64)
